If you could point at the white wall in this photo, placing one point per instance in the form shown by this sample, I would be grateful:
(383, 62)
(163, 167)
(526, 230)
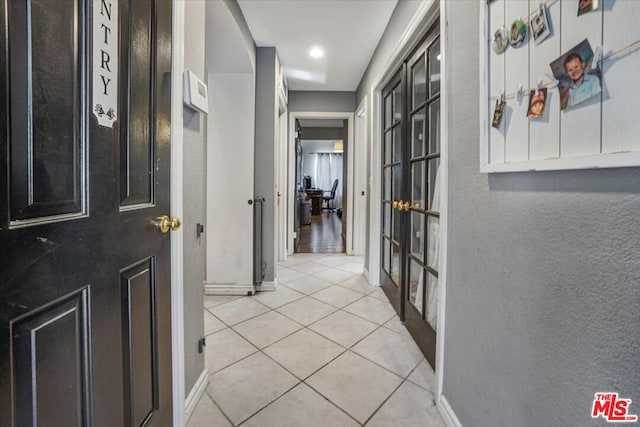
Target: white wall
(230, 174)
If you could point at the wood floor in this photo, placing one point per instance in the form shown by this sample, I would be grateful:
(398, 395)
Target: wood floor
(324, 235)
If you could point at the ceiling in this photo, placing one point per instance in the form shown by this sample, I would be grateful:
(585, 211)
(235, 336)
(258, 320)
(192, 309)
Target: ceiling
(347, 30)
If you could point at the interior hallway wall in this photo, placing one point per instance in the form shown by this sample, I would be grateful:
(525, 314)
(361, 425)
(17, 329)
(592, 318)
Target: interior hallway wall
(400, 18)
(230, 66)
(266, 119)
(542, 294)
(230, 176)
(194, 197)
(325, 101)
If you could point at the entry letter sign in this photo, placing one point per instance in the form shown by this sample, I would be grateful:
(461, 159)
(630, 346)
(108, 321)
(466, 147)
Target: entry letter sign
(105, 61)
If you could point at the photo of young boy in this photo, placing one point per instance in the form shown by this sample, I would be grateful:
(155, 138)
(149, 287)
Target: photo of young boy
(500, 40)
(537, 102)
(518, 33)
(577, 82)
(539, 26)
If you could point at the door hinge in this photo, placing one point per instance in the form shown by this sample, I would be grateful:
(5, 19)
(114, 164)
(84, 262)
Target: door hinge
(202, 343)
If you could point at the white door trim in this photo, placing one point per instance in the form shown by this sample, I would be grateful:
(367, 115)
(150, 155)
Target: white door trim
(177, 301)
(444, 205)
(360, 179)
(291, 188)
(281, 168)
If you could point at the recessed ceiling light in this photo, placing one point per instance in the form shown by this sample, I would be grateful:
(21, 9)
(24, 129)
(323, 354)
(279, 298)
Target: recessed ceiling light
(316, 52)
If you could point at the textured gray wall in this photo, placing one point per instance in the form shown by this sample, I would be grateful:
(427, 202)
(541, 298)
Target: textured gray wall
(194, 198)
(322, 133)
(402, 14)
(312, 101)
(265, 148)
(236, 12)
(543, 289)
(400, 18)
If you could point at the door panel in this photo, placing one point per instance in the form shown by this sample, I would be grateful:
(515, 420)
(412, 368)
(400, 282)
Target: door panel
(137, 153)
(85, 327)
(50, 346)
(139, 330)
(47, 145)
(421, 284)
(392, 188)
(410, 191)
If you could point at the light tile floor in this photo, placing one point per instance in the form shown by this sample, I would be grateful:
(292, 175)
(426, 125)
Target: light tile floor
(324, 349)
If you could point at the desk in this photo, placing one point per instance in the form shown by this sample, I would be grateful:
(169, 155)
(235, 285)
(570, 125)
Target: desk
(316, 200)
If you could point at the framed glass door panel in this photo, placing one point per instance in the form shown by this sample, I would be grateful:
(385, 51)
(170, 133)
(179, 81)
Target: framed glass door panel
(421, 279)
(417, 134)
(417, 236)
(392, 189)
(416, 285)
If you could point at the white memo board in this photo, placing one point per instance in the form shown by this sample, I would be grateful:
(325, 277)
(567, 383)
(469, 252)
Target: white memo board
(600, 133)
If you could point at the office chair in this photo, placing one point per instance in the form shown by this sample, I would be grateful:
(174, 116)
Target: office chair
(331, 196)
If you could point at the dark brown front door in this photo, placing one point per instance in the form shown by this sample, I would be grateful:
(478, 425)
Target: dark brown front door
(85, 330)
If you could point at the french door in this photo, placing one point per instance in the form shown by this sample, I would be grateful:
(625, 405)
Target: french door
(85, 321)
(410, 191)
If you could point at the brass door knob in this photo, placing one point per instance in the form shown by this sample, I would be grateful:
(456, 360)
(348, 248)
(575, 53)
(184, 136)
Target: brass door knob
(394, 205)
(164, 223)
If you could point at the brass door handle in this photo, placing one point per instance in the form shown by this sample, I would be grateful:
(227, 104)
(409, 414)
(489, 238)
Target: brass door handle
(164, 223)
(175, 223)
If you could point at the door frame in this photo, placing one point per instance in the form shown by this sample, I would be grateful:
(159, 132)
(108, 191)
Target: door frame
(360, 179)
(177, 248)
(427, 12)
(281, 178)
(291, 187)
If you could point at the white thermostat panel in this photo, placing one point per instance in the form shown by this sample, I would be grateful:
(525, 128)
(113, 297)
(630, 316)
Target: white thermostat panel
(195, 92)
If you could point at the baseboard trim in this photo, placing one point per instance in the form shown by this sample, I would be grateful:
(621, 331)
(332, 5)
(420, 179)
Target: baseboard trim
(365, 273)
(448, 416)
(267, 286)
(195, 394)
(228, 289)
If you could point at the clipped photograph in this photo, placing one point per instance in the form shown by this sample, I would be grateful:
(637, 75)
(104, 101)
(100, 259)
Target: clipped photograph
(586, 6)
(498, 113)
(537, 102)
(540, 25)
(500, 40)
(518, 33)
(577, 81)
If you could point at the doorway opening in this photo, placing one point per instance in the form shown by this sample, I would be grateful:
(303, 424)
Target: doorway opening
(320, 186)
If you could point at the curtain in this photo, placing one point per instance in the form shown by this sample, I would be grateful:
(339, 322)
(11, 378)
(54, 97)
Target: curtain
(328, 168)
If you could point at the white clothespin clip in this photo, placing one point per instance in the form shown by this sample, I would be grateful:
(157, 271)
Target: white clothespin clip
(552, 78)
(597, 57)
(538, 86)
(520, 93)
